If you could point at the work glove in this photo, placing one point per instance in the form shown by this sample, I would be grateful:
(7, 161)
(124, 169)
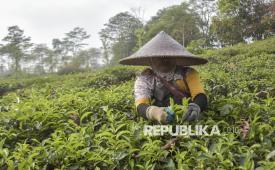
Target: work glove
(163, 115)
(193, 112)
(170, 115)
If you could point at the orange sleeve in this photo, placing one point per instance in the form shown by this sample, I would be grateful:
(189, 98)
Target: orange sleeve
(181, 85)
(194, 83)
(142, 100)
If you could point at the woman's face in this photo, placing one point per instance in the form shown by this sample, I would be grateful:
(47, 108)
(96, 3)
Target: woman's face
(163, 64)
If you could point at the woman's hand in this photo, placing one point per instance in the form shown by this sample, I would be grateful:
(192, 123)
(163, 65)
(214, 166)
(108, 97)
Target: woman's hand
(163, 115)
(193, 112)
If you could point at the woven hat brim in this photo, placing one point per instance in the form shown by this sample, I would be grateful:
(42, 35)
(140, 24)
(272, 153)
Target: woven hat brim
(180, 60)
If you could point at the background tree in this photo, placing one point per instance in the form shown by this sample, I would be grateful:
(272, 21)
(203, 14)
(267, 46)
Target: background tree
(69, 46)
(239, 20)
(74, 40)
(16, 46)
(2, 61)
(39, 55)
(140, 38)
(272, 9)
(2, 69)
(179, 21)
(206, 9)
(258, 17)
(60, 52)
(89, 58)
(51, 61)
(106, 56)
(119, 32)
(227, 31)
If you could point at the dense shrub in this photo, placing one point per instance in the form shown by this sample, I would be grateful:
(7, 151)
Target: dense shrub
(88, 120)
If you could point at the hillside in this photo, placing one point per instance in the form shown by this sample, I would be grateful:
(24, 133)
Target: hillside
(88, 120)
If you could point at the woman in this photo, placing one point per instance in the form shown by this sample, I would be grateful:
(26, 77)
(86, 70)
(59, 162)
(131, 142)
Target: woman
(168, 61)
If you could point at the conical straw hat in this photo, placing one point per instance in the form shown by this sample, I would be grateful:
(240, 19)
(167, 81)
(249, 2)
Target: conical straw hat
(162, 45)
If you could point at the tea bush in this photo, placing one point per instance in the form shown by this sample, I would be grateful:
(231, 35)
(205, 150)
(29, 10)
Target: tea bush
(88, 120)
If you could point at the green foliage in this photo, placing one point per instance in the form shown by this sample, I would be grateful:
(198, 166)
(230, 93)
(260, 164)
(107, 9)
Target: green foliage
(196, 46)
(118, 36)
(88, 120)
(70, 68)
(16, 46)
(238, 20)
(175, 20)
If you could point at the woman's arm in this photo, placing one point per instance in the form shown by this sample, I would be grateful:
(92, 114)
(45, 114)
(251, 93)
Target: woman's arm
(142, 94)
(196, 88)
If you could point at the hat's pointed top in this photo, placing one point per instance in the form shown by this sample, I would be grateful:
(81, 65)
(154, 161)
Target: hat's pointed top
(162, 45)
(162, 32)
(163, 36)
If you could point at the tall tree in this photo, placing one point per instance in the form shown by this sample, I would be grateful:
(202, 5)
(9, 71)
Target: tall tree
(106, 56)
(238, 20)
(74, 40)
(51, 61)
(227, 31)
(16, 46)
(69, 46)
(60, 51)
(206, 9)
(89, 58)
(272, 9)
(2, 69)
(119, 32)
(140, 36)
(39, 54)
(180, 21)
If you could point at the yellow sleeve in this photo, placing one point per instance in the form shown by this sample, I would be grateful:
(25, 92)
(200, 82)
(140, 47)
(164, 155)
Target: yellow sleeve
(194, 83)
(181, 85)
(142, 100)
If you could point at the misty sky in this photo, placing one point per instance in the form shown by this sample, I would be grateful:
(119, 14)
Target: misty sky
(44, 20)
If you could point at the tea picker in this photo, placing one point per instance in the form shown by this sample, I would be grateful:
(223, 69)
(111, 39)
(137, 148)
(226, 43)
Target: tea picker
(169, 75)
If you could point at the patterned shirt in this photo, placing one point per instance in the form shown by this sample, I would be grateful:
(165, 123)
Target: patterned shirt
(144, 84)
